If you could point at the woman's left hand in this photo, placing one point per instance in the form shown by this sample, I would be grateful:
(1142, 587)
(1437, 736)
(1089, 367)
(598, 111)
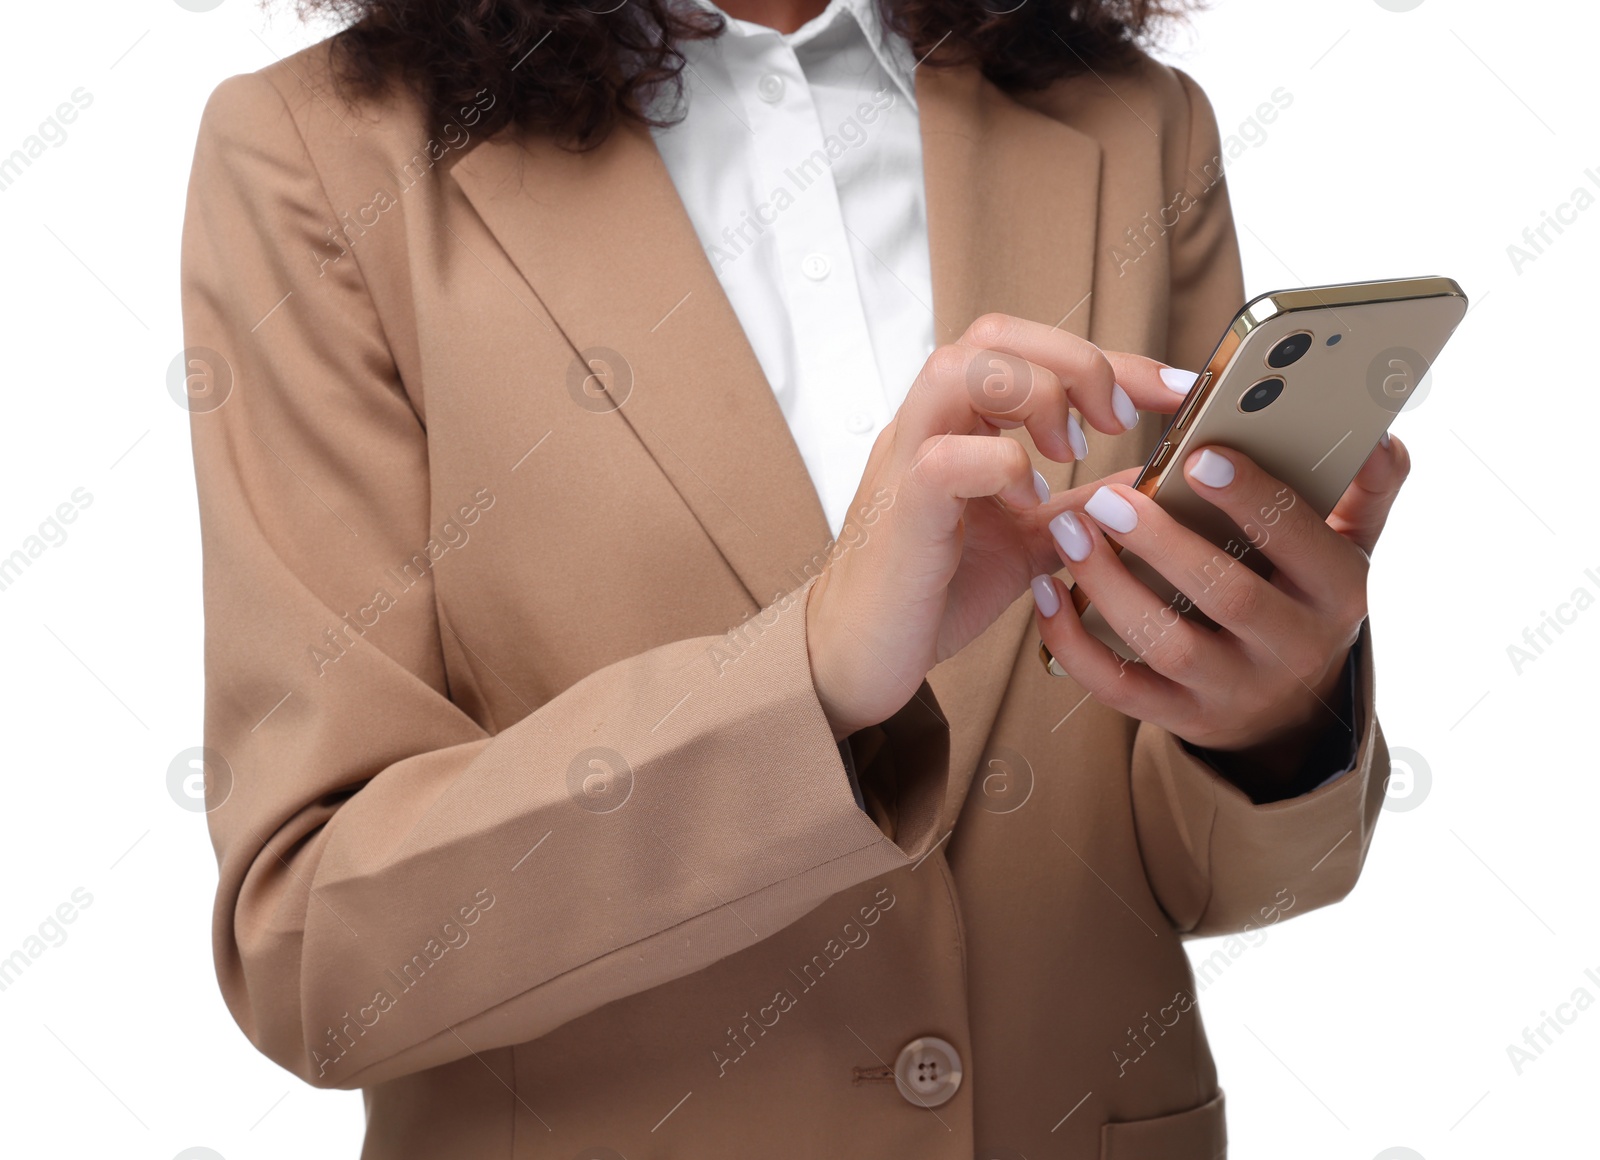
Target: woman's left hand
(1267, 681)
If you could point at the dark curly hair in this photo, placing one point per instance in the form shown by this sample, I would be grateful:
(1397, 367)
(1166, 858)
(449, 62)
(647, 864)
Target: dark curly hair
(560, 68)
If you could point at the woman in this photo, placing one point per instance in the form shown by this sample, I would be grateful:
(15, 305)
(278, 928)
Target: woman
(637, 448)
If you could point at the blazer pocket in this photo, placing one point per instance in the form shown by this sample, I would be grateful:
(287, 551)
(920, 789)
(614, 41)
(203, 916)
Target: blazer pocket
(1197, 1134)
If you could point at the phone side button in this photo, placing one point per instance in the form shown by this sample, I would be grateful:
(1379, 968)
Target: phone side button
(1163, 453)
(1196, 394)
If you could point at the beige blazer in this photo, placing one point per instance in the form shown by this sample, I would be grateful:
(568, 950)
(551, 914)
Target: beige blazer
(528, 821)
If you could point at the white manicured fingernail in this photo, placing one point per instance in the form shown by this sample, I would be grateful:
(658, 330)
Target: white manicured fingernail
(1075, 438)
(1384, 438)
(1112, 510)
(1072, 536)
(1178, 381)
(1127, 413)
(1044, 595)
(1041, 487)
(1211, 469)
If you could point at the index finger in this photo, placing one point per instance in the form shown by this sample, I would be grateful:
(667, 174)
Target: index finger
(1152, 385)
(1081, 366)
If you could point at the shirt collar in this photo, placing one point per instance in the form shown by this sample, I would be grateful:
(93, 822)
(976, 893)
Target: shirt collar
(891, 49)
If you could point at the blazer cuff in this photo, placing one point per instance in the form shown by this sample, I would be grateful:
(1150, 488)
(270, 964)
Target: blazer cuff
(1214, 857)
(899, 771)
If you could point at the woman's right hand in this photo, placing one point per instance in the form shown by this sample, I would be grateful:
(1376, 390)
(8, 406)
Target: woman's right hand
(964, 527)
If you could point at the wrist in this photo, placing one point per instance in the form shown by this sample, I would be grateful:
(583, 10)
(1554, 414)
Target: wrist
(1276, 764)
(820, 653)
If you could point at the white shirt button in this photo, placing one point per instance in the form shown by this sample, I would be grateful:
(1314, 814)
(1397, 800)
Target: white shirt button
(928, 1072)
(815, 266)
(859, 423)
(770, 88)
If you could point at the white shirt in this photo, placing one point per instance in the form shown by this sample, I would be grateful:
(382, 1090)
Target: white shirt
(799, 160)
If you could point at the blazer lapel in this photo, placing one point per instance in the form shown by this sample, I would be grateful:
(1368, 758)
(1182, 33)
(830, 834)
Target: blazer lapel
(604, 241)
(1012, 209)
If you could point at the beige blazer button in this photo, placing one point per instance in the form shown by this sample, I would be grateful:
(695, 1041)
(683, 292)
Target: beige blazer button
(928, 1072)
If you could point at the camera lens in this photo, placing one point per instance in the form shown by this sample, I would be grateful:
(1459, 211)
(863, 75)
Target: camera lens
(1261, 396)
(1289, 350)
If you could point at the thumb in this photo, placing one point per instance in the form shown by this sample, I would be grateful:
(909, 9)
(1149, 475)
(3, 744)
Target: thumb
(1363, 510)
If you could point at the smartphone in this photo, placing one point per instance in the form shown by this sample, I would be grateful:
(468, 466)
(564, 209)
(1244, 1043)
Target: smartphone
(1305, 382)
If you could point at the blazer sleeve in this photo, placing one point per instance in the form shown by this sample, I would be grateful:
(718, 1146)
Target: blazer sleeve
(397, 886)
(1215, 859)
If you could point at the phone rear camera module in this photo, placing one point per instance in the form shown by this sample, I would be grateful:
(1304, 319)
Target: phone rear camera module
(1289, 350)
(1261, 396)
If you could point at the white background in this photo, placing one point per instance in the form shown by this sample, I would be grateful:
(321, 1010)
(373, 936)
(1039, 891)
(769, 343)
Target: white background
(1417, 142)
